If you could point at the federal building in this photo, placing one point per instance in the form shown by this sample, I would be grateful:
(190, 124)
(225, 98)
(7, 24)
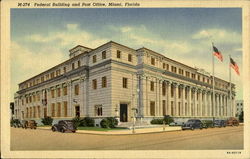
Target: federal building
(114, 80)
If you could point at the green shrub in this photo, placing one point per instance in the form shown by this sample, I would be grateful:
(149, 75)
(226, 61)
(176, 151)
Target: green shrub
(89, 121)
(157, 121)
(77, 121)
(104, 123)
(168, 119)
(47, 120)
(109, 122)
(113, 122)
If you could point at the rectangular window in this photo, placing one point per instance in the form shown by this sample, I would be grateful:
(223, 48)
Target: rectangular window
(163, 88)
(152, 61)
(118, 54)
(78, 63)
(65, 107)
(124, 82)
(42, 78)
(193, 76)
(73, 66)
(34, 112)
(164, 107)
(186, 93)
(163, 65)
(94, 84)
(47, 76)
(167, 67)
(45, 112)
(152, 86)
(52, 93)
(104, 55)
(77, 89)
(58, 109)
(53, 109)
(187, 74)
(30, 112)
(65, 91)
(172, 91)
(198, 77)
(64, 69)
(152, 108)
(58, 92)
(98, 110)
(52, 74)
(94, 59)
(30, 99)
(27, 112)
(180, 92)
(172, 108)
(129, 57)
(104, 82)
(38, 111)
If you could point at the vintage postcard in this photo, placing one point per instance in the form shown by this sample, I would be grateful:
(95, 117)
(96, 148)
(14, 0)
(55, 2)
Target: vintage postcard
(125, 79)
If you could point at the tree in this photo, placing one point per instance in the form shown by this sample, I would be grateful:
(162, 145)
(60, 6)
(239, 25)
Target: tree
(241, 117)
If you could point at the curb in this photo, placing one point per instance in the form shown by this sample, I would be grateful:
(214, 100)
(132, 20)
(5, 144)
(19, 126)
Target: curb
(130, 132)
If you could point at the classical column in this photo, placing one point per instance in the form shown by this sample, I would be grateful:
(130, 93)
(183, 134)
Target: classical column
(81, 96)
(183, 101)
(70, 113)
(160, 112)
(156, 97)
(201, 103)
(189, 92)
(176, 107)
(169, 98)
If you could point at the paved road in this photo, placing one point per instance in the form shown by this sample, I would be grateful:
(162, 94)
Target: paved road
(206, 139)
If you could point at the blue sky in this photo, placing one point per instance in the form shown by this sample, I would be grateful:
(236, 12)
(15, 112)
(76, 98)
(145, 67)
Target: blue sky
(42, 37)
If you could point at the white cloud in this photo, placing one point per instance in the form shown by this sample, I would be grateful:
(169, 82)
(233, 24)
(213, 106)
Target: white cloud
(218, 35)
(68, 38)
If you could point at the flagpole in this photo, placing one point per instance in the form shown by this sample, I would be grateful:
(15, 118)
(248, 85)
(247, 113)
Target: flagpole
(213, 102)
(230, 87)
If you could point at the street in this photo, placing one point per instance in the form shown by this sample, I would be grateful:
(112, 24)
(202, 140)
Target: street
(206, 139)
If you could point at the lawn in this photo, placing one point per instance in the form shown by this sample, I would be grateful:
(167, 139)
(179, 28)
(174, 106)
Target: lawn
(99, 129)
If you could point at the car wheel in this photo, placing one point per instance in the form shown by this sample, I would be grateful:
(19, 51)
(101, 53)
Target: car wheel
(34, 127)
(74, 131)
(53, 129)
(62, 130)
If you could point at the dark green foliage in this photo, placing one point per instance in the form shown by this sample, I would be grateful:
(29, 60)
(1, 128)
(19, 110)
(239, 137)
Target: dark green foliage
(90, 122)
(241, 117)
(109, 122)
(84, 122)
(168, 119)
(47, 120)
(77, 121)
(157, 121)
(104, 123)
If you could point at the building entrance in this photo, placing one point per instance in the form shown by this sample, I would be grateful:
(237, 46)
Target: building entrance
(123, 112)
(77, 111)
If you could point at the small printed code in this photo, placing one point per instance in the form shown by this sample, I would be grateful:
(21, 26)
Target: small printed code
(234, 152)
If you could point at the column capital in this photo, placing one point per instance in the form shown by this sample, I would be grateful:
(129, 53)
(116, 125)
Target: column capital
(204, 91)
(193, 89)
(199, 90)
(181, 85)
(175, 84)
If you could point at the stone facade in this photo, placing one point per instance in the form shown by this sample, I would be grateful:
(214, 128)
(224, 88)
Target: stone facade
(113, 79)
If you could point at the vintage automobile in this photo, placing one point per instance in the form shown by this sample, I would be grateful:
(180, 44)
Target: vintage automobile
(192, 124)
(207, 124)
(63, 126)
(220, 123)
(16, 123)
(232, 122)
(29, 124)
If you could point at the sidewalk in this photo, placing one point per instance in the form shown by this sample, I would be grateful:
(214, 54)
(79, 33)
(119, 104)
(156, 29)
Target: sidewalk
(125, 131)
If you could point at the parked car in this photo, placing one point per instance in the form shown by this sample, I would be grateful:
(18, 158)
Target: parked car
(176, 123)
(220, 123)
(207, 124)
(192, 124)
(63, 126)
(29, 124)
(16, 123)
(232, 122)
